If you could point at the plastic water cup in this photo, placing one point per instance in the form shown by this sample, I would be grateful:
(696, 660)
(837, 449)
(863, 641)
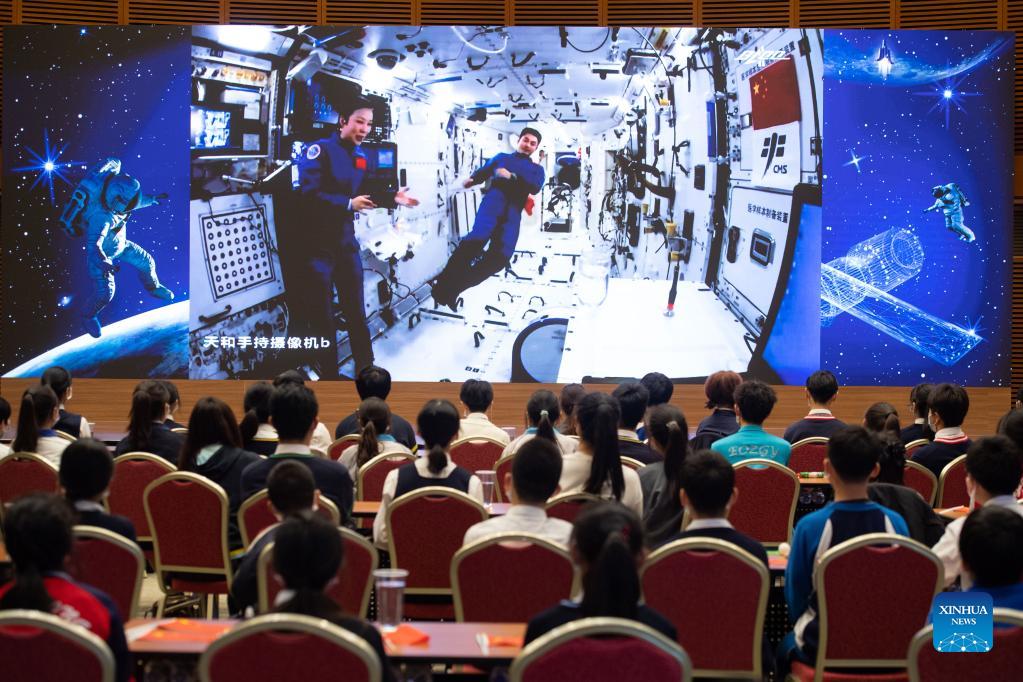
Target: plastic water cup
(390, 588)
(487, 479)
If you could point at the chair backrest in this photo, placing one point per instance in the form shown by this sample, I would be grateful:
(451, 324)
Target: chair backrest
(632, 463)
(510, 577)
(187, 515)
(371, 476)
(355, 577)
(850, 596)
(599, 649)
(952, 484)
(478, 453)
(914, 444)
(40, 646)
(425, 529)
(284, 646)
(22, 473)
(133, 472)
(706, 575)
(66, 436)
(766, 506)
(1003, 661)
(922, 480)
(335, 449)
(808, 454)
(568, 505)
(503, 466)
(256, 514)
(111, 563)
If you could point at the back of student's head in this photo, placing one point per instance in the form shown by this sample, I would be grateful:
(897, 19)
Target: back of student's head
(892, 459)
(668, 428)
(882, 418)
(950, 402)
(373, 382)
(293, 411)
(1010, 426)
(720, 389)
(632, 399)
(307, 554)
(172, 392)
(86, 468)
(659, 388)
(37, 535)
(995, 464)
(212, 422)
(991, 546)
(571, 394)
(148, 405)
(291, 488)
(477, 395)
(257, 409)
(755, 400)
(37, 409)
(918, 395)
(608, 540)
(289, 376)
(5, 410)
(438, 424)
(59, 379)
(374, 420)
(536, 470)
(708, 480)
(853, 453)
(543, 411)
(822, 386)
(598, 416)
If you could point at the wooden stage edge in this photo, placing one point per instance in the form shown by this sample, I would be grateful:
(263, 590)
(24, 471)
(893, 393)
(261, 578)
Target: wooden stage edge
(107, 401)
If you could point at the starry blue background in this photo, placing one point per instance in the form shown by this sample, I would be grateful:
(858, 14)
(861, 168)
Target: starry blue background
(101, 91)
(899, 134)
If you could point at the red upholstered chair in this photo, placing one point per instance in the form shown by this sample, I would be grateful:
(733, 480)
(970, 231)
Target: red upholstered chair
(372, 474)
(133, 472)
(111, 563)
(503, 466)
(602, 650)
(38, 646)
(952, 484)
(922, 480)
(22, 473)
(425, 528)
(912, 445)
(284, 646)
(510, 577)
(808, 454)
(188, 518)
(633, 464)
(341, 444)
(568, 505)
(709, 576)
(850, 596)
(1003, 662)
(478, 453)
(355, 577)
(256, 515)
(766, 506)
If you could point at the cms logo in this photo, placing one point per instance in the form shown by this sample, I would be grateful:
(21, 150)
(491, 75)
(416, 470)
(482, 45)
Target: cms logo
(774, 148)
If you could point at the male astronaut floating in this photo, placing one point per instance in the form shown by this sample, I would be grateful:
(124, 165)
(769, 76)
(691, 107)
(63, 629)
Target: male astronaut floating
(515, 177)
(99, 209)
(951, 200)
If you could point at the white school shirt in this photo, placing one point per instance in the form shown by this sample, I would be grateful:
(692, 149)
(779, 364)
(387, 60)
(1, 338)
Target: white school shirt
(476, 424)
(386, 446)
(522, 518)
(575, 470)
(947, 548)
(319, 444)
(565, 444)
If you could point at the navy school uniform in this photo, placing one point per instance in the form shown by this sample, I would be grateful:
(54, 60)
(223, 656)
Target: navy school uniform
(813, 426)
(940, 452)
(162, 442)
(332, 479)
(70, 423)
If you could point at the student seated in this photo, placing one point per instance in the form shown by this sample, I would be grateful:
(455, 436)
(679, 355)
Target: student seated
(292, 492)
(1010, 426)
(213, 449)
(258, 435)
(754, 401)
(308, 552)
(534, 477)
(722, 421)
(375, 382)
(947, 407)
(85, 472)
(478, 396)
(632, 400)
(596, 467)
(36, 417)
(883, 420)
(438, 425)
(321, 440)
(570, 396)
(888, 490)
(5, 423)
(660, 390)
(607, 546)
(542, 412)
(919, 429)
(38, 538)
(293, 410)
(994, 468)
(174, 404)
(59, 379)
(851, 462)
(661, 481)
(821, 392)
(991, 545)
(147, 428)
(376, 439)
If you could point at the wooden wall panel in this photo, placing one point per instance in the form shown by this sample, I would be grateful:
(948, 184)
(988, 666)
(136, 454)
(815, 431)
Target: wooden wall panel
(462, 13)
(69, 12)
(358, 12)
(270, 12)
(842, 13)
(725, 13)
(1014, 22)
(957, 14)
(650, 13)
(174, 11)
(563, 12)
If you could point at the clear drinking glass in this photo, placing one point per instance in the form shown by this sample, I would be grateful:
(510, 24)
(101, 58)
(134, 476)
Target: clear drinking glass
(592, 276)
(390, 588)
(487, 479)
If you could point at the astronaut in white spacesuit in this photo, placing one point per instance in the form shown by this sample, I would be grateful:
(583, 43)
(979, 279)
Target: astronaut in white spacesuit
(951, 200)
(99, 209)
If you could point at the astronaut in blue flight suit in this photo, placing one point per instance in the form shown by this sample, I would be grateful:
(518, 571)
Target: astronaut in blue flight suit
(329, 174)
(515, 177)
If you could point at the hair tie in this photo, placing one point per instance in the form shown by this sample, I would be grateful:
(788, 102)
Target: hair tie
(544, 413)
(625, 532)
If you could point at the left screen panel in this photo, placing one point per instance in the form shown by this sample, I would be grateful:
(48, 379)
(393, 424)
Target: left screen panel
(95, 209)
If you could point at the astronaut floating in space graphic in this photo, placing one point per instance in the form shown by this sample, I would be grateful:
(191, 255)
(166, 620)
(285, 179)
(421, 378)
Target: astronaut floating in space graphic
(951, 200)
(98, 210)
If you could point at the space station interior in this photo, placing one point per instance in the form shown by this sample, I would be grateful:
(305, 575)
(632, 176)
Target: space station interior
(675, 225)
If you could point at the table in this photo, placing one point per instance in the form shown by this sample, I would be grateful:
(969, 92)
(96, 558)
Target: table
(369, 508)
(953, 512)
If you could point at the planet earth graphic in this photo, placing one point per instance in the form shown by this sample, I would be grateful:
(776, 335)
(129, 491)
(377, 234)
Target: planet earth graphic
(150, 344)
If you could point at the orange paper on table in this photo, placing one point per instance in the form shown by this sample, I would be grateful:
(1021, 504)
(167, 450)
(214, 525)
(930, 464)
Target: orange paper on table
(407, 635)
(505, 640)
(185, 630)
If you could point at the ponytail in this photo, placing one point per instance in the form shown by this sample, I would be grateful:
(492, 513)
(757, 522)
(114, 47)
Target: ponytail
(598, 416)
(543, 410)
(375, 418)
(438, 424)
(368, 447)
(148, 405)
(37, 405)
(609, 538)
(37, 530)
(670, 431)
(257, 410)
(891, 424)
(437, 459)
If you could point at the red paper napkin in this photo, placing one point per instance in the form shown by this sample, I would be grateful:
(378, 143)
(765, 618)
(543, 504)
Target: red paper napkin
(406, 635)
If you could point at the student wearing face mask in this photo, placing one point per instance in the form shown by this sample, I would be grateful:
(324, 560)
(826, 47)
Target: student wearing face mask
(947, 405)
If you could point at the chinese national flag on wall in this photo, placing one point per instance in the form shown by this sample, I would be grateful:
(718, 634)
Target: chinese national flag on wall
(774, 93)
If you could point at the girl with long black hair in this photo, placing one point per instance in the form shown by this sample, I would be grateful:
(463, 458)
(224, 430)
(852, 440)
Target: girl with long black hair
(59, 379)
(662, 481)
(258, 435)
(37, 415)
(542, 412)
(147, 430)
(375, 438)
